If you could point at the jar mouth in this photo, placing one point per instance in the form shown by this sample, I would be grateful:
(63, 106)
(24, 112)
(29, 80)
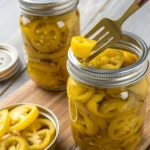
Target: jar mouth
(113, 78)
(46, 7)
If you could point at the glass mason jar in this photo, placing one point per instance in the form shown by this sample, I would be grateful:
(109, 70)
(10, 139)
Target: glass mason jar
(107, 106)
(47, 28)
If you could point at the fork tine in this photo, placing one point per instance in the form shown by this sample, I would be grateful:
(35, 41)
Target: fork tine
(97, 52)
(97, 27)
(103, 40)
(100, 34)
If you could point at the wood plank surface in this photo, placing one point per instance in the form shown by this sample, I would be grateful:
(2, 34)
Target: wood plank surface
(57, 102)
(90, 11)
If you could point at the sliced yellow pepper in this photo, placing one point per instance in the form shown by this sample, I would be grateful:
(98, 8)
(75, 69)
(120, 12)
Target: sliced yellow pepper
(104, 148)
(79, 92)
(107, 109)
(48, 68)
(48, 81)
(136, 88)
(64, 33)
(14, 143)
(132, 102)
(63, 73)
(42, 123)
(22, 116)
(112, 146)
(73, 111)
(95, 143)
(98, 120)
(4, 122)
(112, 93)
(44, 36)
(82, 47)
(124, 126)
(90, 127)
(111, 107)
(110, 59)
(93, 105)
(105, 143)
(78, 130)
(38, 140)
(131, 142)
(40, 134)
(33, 55)
(129, 58)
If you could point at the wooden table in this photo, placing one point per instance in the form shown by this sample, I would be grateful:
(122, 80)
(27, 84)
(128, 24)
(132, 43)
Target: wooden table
(90, 11)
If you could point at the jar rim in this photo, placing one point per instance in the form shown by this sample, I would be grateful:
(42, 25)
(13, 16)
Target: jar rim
(112, 78)
(46, 7)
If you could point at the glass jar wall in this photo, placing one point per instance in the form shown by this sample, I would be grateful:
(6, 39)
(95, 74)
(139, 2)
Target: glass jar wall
(107, 106)
(107, 118)
(46, 43)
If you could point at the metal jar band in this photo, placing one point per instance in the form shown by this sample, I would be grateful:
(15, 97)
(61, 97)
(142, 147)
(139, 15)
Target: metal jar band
(47, 7)
(113, 78)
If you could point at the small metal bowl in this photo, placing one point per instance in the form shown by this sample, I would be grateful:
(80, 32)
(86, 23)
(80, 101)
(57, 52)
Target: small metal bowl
(44, 112)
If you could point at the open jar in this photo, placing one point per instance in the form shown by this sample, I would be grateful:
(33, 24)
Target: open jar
(47, 28)
(107, 106)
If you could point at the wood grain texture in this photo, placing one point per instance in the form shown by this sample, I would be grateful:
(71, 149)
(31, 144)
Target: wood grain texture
(57, 102)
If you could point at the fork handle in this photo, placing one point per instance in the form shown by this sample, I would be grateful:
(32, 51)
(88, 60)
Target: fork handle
(133, 8)
(141, 2)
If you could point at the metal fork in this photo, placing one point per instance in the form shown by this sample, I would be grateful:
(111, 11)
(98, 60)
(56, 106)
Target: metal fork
(108, 32)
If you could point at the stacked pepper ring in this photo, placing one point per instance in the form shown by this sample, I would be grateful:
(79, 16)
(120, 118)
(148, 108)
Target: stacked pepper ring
(28, 127)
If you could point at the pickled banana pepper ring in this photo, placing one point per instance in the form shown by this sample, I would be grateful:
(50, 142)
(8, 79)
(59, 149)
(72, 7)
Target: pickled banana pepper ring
(46, 37)
(105, 110)
(22, 116)
(4, 122)
(110, 59)
(14, 143)
(73, 115)
(131, 142)
(39, 134)
(123, 127)
(90, 127)
(82, 47)
(80, 92)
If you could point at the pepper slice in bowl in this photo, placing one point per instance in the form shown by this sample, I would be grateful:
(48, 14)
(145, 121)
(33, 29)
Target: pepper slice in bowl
(23, 116)
(4, 122)
(14, 143)
(39, 134)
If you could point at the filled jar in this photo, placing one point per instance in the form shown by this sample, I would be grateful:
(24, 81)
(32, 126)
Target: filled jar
(107, 96)
(47, 28)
